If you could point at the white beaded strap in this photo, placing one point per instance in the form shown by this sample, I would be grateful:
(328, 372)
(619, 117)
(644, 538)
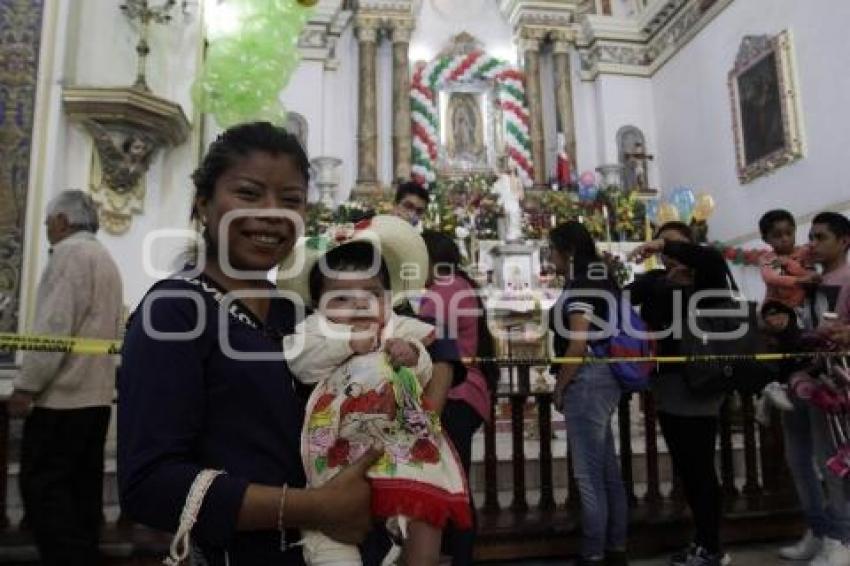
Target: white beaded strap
(179, 550)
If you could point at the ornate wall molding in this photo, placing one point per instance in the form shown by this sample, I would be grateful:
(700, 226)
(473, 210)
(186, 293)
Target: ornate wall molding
(658, 14)
(641, 47)
(540, 13)
(128, 126)
(318, 40)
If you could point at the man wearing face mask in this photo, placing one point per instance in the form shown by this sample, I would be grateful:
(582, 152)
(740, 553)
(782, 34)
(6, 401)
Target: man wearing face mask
(411, 203)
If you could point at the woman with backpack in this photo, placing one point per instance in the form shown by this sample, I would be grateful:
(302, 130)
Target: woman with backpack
(688, 420)
(454, 302)
(588, 394)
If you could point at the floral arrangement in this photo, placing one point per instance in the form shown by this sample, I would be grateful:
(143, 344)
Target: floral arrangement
(464, 207)
(610, 215)
(319, 217)
(621, 271)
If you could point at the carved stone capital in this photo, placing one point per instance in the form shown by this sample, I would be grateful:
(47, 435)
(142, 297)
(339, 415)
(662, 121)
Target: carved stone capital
(530, 39)
(563, 40)
(401, 30)
(526, 45)
(366, 29)
(561, 47)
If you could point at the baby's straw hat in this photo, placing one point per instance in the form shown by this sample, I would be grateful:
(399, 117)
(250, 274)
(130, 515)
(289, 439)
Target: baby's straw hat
(399, 243)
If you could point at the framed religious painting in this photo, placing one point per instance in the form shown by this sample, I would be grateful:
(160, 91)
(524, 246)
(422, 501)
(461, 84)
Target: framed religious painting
(467, 128)
(765, 107)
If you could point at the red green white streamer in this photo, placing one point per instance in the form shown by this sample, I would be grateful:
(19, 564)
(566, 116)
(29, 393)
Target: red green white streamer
(510, 92)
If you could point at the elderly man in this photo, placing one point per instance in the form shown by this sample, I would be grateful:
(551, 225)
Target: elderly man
(67, 398)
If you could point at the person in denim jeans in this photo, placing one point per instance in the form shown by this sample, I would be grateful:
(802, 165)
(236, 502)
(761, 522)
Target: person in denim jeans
(806, 431)
(588, 404)
(588, 394)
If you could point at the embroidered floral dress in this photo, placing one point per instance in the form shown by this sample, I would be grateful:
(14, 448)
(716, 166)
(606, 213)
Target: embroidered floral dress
(360, 401)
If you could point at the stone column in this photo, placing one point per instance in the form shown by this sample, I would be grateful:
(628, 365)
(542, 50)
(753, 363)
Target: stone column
(401, 100)
(367, 108)
(530, 47)
(564, 91)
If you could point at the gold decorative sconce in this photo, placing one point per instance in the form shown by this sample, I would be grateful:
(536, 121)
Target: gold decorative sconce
(128, 126)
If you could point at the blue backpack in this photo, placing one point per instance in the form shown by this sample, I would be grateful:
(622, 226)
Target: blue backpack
(633, 376)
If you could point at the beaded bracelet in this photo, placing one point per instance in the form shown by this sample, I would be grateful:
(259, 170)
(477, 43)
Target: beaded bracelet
(280, 526)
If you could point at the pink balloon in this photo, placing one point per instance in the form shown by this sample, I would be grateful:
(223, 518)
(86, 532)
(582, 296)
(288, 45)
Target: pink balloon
(587, 178)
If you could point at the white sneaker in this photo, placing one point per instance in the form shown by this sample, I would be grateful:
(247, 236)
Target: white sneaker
(805, 549)
(833, 553)
(778, 396)
(320, 550)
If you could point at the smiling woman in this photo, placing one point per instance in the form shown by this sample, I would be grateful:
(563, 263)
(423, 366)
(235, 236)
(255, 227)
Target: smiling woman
(209, 411)
(251, 199)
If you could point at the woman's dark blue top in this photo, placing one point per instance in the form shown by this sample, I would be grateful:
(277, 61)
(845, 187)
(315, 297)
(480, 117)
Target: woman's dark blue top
(190, 404)
(186, 405)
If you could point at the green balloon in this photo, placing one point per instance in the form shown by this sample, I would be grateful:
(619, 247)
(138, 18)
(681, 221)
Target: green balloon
(245, 72)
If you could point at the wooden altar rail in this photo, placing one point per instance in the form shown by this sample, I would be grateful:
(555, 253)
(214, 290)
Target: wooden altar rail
(759, 501)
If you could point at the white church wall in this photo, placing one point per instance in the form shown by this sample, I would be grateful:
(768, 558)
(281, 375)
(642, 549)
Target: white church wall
(695, 140)
(92, 44)
(440, 20)
(611, 103)
(305, 94)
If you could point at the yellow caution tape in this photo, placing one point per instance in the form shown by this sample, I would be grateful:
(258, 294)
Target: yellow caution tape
(71, 345)
(101, 347)
(697, 358)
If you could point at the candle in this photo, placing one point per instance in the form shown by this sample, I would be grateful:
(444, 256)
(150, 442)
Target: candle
(580, 219)
(554, 221)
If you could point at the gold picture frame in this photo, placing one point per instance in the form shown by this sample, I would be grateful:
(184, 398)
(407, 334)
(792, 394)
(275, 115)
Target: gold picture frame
(765, 106)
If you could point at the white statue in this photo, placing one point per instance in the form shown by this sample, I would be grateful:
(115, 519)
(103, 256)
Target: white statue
(510, 191)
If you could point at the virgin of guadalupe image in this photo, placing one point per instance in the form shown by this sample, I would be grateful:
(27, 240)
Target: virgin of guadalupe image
(465, 129)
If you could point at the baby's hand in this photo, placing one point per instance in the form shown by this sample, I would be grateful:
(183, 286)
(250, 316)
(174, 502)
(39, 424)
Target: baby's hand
(401, 353)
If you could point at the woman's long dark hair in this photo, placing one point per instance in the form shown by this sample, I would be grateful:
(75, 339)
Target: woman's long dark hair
(443, 251)
(572, 239)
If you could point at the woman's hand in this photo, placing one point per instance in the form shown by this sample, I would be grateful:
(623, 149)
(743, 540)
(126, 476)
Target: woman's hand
(346, 501)
(647, 250)
(340, 508)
